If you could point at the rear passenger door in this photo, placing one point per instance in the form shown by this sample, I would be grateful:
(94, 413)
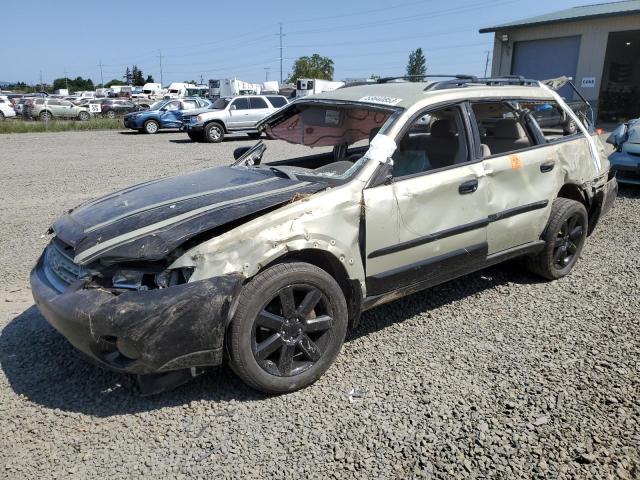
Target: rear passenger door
(522, 173)
(259, 109)
(239, 114)
(428, 223)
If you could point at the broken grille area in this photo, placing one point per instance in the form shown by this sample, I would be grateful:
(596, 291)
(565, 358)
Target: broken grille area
(59, 267)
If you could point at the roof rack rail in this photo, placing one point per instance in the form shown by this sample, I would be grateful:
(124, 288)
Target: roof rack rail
(409, 77)
(488, 81)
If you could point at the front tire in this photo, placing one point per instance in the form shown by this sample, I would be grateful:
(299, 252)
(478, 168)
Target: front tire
(151, 127)
(213, 133)
(45, 116)
(288, 328)
(195, 136)
(565, 236)
(110, 114)
(83, 116)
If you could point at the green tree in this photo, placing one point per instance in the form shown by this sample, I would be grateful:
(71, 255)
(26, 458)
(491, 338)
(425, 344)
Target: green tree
(137, 77)
(149, 79)
(115, 81)
(315, 66)
(417, 64)
(74, 85)
(127, 76)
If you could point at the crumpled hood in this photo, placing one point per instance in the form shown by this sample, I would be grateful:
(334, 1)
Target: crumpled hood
(148, 221)
(632, 143)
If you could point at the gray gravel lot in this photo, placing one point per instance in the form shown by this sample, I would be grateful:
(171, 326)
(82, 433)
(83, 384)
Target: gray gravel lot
(497, 374)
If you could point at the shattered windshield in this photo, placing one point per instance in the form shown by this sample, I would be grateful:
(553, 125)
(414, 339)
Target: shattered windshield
(331, 138)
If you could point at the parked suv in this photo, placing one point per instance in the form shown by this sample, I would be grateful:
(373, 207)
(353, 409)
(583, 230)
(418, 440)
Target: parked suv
(232, 114)
(50, 108)
(163, 114)
(269, 261)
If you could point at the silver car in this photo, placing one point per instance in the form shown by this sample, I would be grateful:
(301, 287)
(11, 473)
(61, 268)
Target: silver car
(268, 262)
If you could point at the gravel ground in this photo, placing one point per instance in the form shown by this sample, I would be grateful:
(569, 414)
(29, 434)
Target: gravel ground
(496, 374)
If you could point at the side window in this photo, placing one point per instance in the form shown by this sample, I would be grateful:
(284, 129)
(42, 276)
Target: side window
(434, 140)
(189, 105)
(170, 107)
(257, 102)
(277, 102)
(500, 128)
(241, 103)
(551, 118)
(65, 103)
(53, 102)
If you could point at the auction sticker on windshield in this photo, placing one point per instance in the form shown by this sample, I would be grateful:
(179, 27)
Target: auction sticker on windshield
(381, 99)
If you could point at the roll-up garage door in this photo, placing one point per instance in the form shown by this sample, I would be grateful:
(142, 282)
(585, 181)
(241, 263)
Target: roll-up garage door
(548, 58)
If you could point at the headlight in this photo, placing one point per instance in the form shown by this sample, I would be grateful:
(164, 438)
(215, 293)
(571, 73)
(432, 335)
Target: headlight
(199, 118)
(149, 280)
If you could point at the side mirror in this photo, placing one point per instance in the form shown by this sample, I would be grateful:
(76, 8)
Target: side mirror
(238, 152)
(233, 107)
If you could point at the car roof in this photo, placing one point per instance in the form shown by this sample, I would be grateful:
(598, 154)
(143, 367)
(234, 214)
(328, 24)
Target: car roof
(408, 94)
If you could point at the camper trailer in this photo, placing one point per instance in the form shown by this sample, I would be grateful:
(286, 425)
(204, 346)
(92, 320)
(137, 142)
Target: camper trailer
(178, 89)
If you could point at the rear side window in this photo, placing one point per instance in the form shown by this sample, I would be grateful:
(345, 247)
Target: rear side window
(53, 102)
(189, 105)
(241, 103)
(277, 102)
(501, 128)
(258, 102)
(551, 118)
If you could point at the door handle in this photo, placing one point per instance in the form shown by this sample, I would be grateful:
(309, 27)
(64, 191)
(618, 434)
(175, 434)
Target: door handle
(547, 166)
(469, 186)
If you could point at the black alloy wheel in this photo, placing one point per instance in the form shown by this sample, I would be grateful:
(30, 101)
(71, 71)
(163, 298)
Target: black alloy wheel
(568, 241)
(291, 332)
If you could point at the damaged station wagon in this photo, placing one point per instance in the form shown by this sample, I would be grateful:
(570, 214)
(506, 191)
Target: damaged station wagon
(268, 264)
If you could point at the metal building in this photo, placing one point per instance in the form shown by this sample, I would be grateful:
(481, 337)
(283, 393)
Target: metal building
(598, 45)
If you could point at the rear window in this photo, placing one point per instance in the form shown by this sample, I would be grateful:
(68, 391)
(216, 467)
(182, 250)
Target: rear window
(258, 103)
(277, 102)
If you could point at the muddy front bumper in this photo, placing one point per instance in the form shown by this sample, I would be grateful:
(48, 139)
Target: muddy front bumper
(141, 332)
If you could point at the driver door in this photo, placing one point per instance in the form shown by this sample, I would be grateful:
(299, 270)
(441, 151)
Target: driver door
(428, 223)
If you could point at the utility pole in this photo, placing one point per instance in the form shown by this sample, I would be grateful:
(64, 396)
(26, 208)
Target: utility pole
(266, 73)
(41, 86)
(66, 80)
(201, 79)
(161, 80)
(486, 63)
(280, 35)
(101, 78)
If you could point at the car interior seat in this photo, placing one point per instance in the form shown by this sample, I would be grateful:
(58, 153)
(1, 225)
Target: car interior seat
(508, 135)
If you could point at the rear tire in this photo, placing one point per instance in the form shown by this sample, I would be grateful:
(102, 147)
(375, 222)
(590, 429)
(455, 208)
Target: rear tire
(288, 327)
(151, 127)
(45, 116)
(84, 116)
(565, 236)
(213, 133)
(110, 114)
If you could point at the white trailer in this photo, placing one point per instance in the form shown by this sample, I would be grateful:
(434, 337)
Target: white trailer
(230, 87)
(310, 86)
(271, 87)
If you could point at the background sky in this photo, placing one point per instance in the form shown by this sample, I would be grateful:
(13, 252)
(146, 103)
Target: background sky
(227, 39)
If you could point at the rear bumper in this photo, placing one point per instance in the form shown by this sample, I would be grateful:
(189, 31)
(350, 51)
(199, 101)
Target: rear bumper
(141, 332)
